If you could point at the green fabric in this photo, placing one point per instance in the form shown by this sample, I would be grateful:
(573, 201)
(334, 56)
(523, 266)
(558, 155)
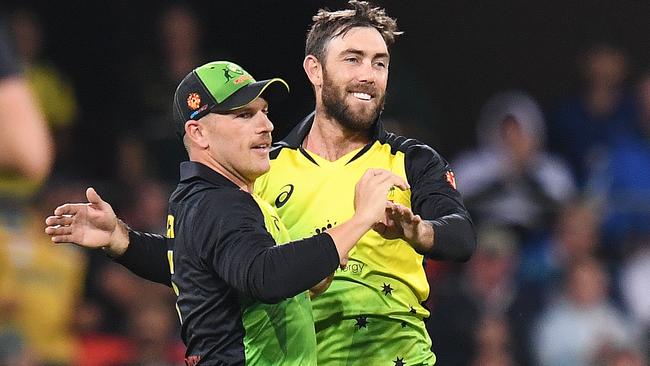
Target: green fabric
(282, 333)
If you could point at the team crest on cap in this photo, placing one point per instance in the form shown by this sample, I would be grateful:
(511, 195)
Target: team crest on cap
(451, 178)
(194, 101)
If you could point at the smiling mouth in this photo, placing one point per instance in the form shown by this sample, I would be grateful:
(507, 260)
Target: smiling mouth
(362, 96)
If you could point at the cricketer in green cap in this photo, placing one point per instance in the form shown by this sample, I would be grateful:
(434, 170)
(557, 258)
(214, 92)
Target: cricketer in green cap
(218, 86)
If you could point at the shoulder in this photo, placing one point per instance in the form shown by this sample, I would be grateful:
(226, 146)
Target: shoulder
(409, 146)
(417, 154)
(221, 203)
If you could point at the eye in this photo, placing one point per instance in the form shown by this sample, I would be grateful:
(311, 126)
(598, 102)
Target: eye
(351, 59)
(246, 115)
(265, 110)
(381, 64)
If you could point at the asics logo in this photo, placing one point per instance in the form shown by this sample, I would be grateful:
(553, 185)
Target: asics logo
(283, 197)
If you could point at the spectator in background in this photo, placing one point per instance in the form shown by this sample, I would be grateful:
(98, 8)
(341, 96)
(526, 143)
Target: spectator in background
(155, 153)
(625, 180)
(25, 142)
(154, 336)
(461, 303)
(494, 342)
(635, 288)
(40, 284)
(575, 237)
(580, 323)
(583, 126)
(54, 94)
(130, 321)
(510, 180)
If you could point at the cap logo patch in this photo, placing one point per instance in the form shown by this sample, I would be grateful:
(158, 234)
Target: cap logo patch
(196, 113)
(193, 101)
(229, 69)
(242, 79)
(451, 179)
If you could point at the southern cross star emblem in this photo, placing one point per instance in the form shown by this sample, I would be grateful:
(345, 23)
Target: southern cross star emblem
(399, 361)
(387, 290)
(362, 322)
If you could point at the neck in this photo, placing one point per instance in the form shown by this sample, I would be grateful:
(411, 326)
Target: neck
(331, 140)
(244, 184)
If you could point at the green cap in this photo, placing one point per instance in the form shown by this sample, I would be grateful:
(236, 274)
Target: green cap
(218, 86)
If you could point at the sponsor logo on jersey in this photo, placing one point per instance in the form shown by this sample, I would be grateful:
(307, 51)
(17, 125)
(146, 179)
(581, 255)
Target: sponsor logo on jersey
(285, 194)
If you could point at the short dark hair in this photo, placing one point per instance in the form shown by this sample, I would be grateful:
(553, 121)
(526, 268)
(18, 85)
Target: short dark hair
(330, 24)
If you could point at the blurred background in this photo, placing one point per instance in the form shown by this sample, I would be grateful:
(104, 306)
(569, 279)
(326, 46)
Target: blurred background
(542, 109)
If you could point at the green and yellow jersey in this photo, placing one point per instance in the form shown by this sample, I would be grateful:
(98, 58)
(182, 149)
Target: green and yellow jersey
(240, 300)
(372, 313)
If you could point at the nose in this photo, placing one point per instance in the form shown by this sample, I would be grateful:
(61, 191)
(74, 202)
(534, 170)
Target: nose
(367, 73)
(265, 124)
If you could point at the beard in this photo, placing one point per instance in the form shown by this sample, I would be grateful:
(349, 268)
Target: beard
(338, 109)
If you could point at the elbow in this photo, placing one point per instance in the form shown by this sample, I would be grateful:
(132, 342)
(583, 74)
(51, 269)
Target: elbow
(469, 247)
(267, 296)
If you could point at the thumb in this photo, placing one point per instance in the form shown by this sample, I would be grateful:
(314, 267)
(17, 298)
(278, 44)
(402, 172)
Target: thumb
(93, 197)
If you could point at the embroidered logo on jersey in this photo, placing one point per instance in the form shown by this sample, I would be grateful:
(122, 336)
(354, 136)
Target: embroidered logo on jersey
(276, 222)
(285, 194)
(451, 179)
(193, 101)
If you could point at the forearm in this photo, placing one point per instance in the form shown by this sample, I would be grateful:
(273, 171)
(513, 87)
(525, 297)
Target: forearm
(284, 271)
(347, 234)
(146, 256)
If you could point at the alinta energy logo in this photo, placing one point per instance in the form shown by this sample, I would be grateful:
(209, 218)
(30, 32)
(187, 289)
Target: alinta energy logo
(283, 197)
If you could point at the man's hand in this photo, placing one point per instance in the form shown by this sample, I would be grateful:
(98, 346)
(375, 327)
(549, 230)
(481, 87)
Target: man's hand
(401, 223)
(90, 225)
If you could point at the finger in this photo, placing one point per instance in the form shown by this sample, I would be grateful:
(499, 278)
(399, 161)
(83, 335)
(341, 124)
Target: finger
(393, 180)
(70, 209)
(405, 213)
(93, 197)
(58, 230)
(62, 239)
(59, 220)
(379, 228)
(399, 182)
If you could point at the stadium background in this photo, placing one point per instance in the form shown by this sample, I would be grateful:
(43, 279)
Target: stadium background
(453, 56)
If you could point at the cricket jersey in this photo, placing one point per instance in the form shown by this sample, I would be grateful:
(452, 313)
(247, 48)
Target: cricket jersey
(242, 300)
(372, 313)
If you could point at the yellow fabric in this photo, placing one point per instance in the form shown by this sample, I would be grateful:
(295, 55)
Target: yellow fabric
(55, 96)
(384, 283)
(45, 282)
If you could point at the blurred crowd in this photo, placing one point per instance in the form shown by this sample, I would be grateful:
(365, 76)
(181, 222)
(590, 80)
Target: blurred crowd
(560, 199)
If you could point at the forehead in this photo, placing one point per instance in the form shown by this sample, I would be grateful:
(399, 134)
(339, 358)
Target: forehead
(366, 39)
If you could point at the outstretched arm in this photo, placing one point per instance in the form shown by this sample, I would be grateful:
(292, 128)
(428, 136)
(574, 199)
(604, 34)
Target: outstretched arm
(94, 225)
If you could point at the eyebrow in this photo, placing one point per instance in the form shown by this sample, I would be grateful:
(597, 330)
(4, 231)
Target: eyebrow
(362, 53)
(246, 108)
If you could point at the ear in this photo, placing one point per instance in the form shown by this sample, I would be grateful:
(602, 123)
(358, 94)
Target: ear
(194, 132)
(313, 69)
